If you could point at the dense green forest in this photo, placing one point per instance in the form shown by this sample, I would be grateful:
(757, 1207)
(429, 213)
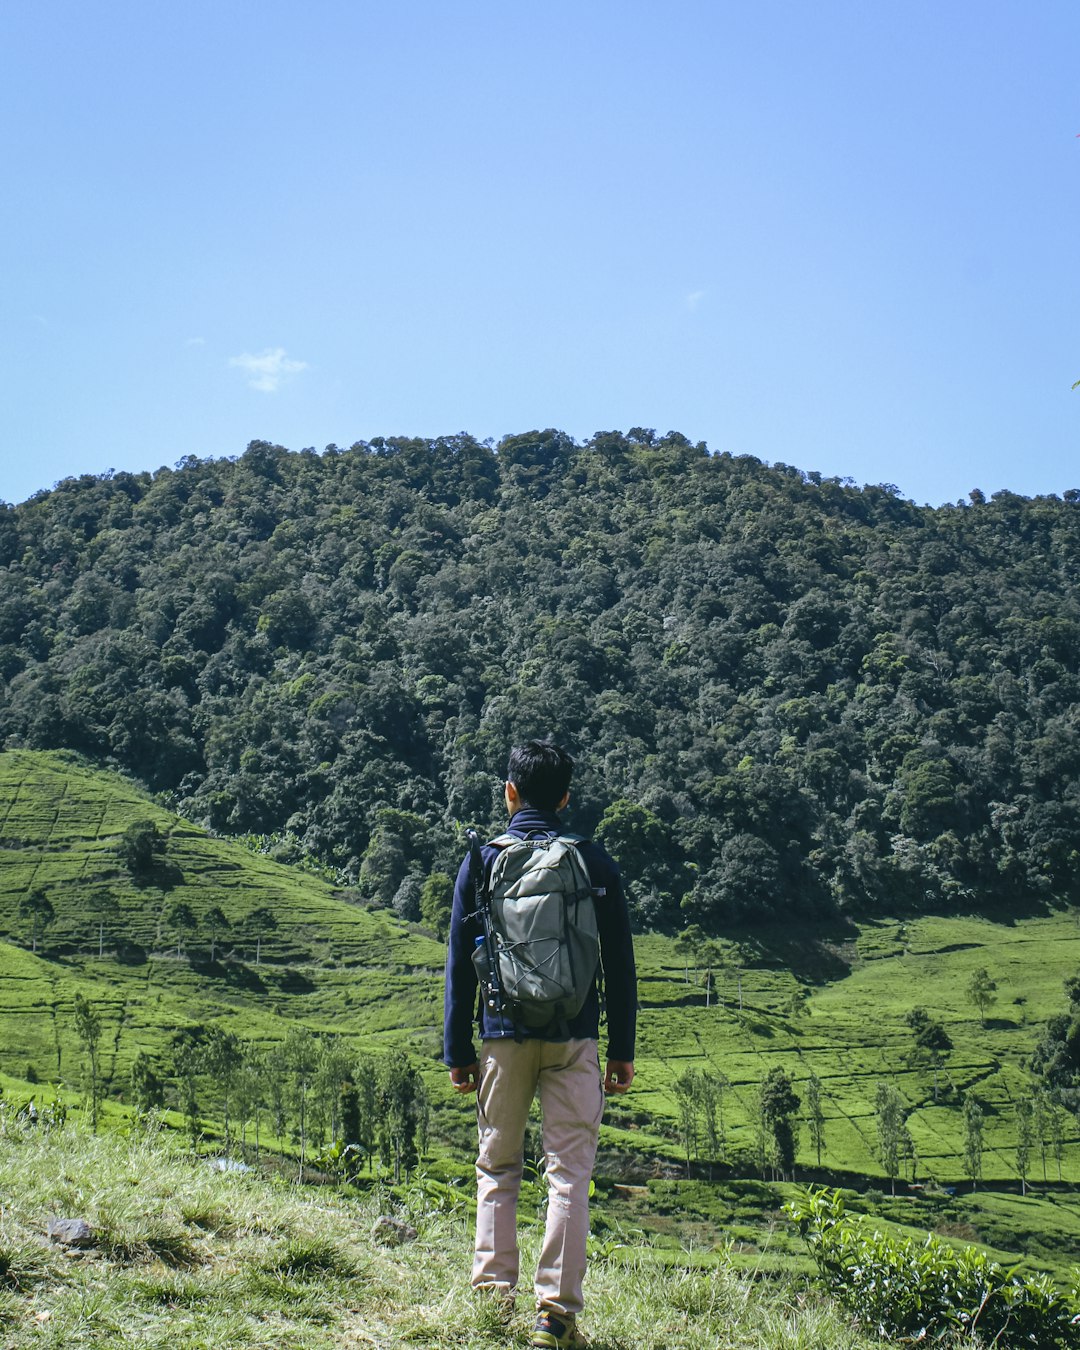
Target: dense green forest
(789, 695)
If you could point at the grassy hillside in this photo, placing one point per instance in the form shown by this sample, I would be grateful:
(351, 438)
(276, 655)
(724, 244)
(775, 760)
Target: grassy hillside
(186, 1258)
(853, 1033)
(340, 968)
(337, 967)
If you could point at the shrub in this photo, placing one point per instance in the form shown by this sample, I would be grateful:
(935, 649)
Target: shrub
(927, 1290)
(142, 846)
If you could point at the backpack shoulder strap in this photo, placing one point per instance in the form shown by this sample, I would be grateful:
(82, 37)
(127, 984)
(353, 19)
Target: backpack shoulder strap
(575, 840)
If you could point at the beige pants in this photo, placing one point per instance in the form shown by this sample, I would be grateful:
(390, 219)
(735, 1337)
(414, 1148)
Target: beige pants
(566, 1077)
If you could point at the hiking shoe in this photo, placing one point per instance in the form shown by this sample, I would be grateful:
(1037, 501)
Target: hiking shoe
(556, 1331)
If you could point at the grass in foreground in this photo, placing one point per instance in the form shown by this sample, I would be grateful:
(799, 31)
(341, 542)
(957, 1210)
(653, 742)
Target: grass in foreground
(189, 1258)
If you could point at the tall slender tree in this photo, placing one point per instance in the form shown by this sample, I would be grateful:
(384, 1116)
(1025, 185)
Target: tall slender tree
(687, 945)
(187, 1066)
(222, 1059)
(815, 1115)
(778, 1105)
(981, 991)
(686, 1091)
(931, 1043)
(711, 1096)
(973, 1138)
(147, 1088)
(87, 1023)
(1024, 1112)
(889, 1117)
(363, 1129)
(1040, 1119)
(333, 1070)
(36, 910)
(711, 957)
(260, 922)
(277, 1074)
(1056, 1121)
(105, 909)
(403, 1115)
(183, 923)
(217, 925)
(301, 1057)
(250, 1094)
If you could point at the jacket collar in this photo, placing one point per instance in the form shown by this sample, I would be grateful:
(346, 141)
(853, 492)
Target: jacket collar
(530, 818)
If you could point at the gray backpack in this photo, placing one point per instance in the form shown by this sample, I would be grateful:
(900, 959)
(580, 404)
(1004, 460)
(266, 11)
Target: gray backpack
(542, 930)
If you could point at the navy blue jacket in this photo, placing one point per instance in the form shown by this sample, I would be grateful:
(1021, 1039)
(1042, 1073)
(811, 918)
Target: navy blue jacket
(616, 955)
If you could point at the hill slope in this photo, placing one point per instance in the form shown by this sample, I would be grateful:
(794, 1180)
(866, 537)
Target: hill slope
(334, 966)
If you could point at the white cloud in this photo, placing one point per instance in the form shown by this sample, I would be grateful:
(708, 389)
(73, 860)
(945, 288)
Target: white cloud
(195, 342)
(694, 299)
(268, 369)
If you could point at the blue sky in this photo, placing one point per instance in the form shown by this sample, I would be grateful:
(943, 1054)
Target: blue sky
(841, 235)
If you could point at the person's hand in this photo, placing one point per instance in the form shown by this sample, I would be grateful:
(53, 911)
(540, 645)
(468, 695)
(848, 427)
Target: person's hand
(619, 1076)
(467, 1078)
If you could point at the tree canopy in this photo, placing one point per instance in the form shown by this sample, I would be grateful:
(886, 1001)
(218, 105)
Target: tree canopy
(789, 695)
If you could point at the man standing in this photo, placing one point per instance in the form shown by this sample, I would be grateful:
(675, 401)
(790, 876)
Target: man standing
(560, 1065)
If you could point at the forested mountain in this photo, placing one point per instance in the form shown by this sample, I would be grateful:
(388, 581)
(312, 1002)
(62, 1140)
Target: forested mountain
(788, 694)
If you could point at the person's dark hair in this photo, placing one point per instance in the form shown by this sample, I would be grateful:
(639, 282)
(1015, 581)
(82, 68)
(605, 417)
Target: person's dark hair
(541, 772)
